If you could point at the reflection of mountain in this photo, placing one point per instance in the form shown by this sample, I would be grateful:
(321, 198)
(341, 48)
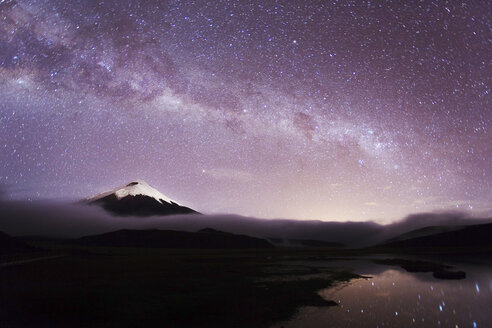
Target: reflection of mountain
(477, 237)
(206, 238)
(10, 245)
(138, 198)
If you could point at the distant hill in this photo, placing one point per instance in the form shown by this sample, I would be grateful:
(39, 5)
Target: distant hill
(282, 242)
(140, 199)
(319, 243)
(475, 237)
(422, 232)
(9, 245)
(206, 238)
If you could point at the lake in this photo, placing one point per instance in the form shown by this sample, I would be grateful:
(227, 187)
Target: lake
(393, 297)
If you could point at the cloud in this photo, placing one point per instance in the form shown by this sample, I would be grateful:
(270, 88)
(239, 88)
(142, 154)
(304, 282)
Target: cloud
(421, 220)
(480, 208)
(68, 220)
(64, 220)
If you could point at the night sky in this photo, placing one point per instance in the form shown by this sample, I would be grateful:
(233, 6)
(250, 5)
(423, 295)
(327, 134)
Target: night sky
(333, 110)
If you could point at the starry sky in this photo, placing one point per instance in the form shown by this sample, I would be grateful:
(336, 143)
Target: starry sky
(332, 110)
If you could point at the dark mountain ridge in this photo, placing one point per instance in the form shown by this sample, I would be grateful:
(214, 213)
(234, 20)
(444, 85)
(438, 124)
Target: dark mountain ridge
(474, 237)
(9, 245)
(153, 238)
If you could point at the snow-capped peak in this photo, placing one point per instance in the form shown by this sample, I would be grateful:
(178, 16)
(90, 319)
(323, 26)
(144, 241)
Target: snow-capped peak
(137, 187)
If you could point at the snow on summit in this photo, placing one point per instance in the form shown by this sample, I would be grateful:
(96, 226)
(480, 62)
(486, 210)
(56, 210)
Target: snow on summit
(137, 187)
(138, 198)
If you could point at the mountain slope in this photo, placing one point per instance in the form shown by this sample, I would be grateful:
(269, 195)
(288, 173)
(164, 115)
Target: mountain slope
(207, 238)
(140, 199)
(473, 238)
(422, 232)
(9, 244)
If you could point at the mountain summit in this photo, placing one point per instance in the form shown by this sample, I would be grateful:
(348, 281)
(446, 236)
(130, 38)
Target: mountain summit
(138, 198)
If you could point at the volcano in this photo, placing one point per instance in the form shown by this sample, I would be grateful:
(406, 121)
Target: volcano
(138, 198)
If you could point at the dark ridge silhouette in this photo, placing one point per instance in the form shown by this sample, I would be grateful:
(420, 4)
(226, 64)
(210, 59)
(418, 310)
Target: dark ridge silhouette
(422, 232)
(210, 230)
(140, 205)
(173, 239)
(320, 243)
(477, 237)
(282, 242)
(10, 245)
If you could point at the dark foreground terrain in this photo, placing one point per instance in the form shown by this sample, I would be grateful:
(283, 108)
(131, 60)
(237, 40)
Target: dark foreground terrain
(111, 280)
(141, 287)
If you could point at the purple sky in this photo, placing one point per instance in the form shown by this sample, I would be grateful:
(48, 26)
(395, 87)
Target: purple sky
(334, 110)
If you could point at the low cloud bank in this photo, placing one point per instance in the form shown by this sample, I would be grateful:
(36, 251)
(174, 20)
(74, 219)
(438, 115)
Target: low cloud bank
(64, 220)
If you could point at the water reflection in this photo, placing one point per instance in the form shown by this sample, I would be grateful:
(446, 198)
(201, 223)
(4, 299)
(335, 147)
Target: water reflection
(396, 298)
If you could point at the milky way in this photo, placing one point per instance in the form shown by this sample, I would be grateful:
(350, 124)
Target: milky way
(340, 110)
